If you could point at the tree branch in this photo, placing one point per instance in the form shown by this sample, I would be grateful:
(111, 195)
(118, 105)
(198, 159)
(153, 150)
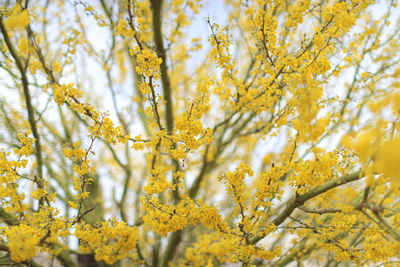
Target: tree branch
(156, 8)
(298, 201)
(28, 102)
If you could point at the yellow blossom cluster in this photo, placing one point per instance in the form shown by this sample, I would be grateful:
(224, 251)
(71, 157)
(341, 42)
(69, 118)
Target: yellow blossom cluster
(23, 241)
(313, 172)
(103, 125)
(377, 153)
(123, 29)
(269, 187)
(235, 185)
(42, 229)
(189, 127)
(111, 241)
(11, 198)
(162, 218)
(23, 46)
(74, 152)
(26, 144)
(82, 168)
(53, 226)
(224, 248)
(18, 19)
(181, 18)
(148, 63)
(167, 218)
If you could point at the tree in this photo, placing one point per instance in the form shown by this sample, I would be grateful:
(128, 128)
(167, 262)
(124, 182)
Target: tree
(131, 137)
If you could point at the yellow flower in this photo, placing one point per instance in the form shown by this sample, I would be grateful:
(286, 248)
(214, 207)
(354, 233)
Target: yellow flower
(19, 18)
(22, 242)
(112, 241)
(56, 67)
(23, 46)
(39, 193)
